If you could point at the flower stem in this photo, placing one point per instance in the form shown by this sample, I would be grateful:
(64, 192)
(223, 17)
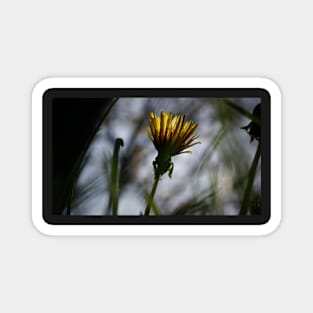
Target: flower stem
(251, 175)
(152, 193)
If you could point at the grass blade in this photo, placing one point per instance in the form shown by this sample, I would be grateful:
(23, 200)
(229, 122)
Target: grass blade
(70, 187)
(251, 175)
(114, 186)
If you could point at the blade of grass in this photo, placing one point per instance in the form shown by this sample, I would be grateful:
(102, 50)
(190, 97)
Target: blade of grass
(114, 186)
(242, 111)
(216, 201)
(205, 158)
(201, 204)
(251, 175)
(70, 186)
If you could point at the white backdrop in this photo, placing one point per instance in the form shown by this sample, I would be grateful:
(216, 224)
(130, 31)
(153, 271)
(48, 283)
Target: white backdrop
(160, 38)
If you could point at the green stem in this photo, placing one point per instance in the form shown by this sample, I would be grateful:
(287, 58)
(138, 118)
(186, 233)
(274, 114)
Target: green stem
(152, 193)
(115, 176)
(251, 175)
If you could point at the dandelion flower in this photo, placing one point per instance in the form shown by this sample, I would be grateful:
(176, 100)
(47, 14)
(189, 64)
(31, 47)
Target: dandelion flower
(171, 135)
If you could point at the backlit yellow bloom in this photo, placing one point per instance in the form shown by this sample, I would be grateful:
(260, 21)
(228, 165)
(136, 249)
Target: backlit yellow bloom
(171, 135)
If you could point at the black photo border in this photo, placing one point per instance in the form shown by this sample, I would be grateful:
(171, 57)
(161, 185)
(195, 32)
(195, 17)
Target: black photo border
(261, 219)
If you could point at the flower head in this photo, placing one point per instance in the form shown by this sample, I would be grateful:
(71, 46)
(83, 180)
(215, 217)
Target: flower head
(253, 128)
(171, 135)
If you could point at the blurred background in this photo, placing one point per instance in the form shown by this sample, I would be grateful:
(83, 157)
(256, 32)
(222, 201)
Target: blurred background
(210, 181)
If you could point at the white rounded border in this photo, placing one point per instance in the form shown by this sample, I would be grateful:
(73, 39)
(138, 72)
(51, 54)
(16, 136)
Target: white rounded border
(157, 230)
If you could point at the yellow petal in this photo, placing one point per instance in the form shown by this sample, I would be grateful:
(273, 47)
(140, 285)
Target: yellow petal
(148, 131)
